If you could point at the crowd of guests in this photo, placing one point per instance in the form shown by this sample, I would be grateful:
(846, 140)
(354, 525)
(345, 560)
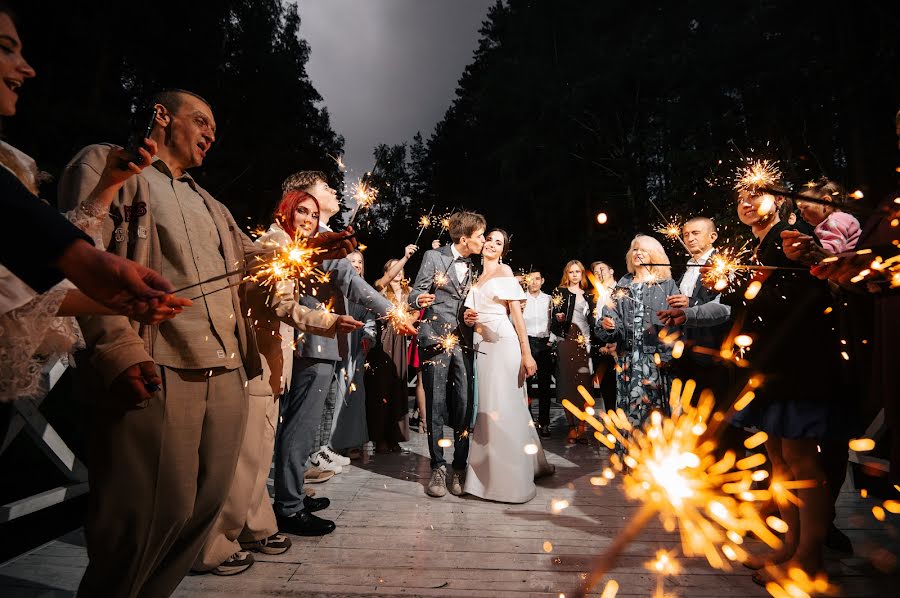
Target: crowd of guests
(193, 400)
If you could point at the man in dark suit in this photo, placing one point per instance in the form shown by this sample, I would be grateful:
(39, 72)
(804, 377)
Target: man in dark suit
(441, 287)
(699, 234)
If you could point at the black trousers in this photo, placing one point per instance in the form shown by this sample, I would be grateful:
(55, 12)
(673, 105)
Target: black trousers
(543, 356)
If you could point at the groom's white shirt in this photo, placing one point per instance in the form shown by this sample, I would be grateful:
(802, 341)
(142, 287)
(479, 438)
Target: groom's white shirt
(459, 268)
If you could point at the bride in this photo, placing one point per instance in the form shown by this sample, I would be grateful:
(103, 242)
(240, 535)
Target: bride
(505, 454)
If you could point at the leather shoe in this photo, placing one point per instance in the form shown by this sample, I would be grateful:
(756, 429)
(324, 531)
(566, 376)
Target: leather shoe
(305, 524)
(311, 505)
(544, 431)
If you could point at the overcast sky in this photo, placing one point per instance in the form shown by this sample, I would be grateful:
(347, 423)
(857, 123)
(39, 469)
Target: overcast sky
(387, 68)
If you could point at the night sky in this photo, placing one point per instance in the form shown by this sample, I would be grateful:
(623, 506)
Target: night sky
(387, 68)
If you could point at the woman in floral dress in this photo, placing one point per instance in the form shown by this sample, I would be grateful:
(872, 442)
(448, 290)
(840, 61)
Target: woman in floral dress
(643, 376)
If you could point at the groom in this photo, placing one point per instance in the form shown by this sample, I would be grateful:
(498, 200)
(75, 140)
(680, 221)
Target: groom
(441, 286)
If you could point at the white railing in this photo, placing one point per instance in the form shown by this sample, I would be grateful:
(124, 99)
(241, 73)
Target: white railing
(28, 417)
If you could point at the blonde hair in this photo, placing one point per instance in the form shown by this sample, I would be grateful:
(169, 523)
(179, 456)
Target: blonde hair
(657, 256)
(359, 253)
(388, 290)
(565, 275)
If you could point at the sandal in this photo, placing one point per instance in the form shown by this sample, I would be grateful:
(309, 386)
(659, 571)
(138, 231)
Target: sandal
(572, 437)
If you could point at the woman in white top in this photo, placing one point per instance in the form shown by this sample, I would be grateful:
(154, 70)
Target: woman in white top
(505, 454)
(37, 329)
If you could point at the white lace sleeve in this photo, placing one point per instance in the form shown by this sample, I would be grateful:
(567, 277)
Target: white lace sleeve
(91, 223)
(31, 338)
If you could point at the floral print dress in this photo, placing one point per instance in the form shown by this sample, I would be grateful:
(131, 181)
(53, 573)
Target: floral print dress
(642, 386)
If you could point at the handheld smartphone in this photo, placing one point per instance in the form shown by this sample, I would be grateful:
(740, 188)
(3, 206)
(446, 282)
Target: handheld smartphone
(136, 141)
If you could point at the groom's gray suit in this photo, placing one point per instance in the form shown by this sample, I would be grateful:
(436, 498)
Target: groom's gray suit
(448, 377)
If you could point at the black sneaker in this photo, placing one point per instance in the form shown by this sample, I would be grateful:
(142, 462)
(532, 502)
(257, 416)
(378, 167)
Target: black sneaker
(305, 524)
(311, 505)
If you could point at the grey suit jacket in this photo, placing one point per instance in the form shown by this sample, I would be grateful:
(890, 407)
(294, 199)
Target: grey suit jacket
(446, 314)
(344, 283)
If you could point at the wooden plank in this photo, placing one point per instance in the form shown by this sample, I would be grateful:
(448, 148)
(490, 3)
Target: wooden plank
(392, 540)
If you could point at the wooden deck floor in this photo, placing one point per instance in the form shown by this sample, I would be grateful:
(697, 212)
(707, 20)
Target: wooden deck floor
(393, 540)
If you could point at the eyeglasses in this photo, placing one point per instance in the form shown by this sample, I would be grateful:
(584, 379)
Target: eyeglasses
(203, 123)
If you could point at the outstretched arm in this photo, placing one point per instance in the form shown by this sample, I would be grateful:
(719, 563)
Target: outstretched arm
(395, 268)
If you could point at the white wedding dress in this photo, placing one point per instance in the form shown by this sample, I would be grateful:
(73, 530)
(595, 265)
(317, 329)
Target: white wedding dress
(505, 453)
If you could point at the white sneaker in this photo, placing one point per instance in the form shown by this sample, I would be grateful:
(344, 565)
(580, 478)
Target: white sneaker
(335, 456)
(323, 460)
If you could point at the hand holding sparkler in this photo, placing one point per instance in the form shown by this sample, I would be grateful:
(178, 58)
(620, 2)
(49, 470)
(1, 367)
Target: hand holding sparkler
(672, 317)
(470, 317)
(802, 248)
(424, 300)
(679, 301)
(608, 323)
(346, 324)
(333, 245)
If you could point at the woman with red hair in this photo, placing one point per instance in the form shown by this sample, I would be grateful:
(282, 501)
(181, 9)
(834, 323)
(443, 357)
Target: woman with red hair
(277, 312)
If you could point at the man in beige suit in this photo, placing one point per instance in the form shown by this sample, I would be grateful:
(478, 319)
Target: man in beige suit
(171, 400)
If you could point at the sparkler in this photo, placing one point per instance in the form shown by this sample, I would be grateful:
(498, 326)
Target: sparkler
(424, 222)
(671, 468)
(582, 340)
(448, 342)
(365, 196)
(671, 229)
(401, 315)
(294, 261)
(673, 222)
(440, 279)
(764, 177)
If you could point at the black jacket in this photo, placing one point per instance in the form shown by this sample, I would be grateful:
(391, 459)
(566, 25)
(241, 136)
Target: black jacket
(566, 305)
(24, 212)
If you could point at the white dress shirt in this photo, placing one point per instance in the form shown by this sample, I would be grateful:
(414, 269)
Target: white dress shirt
(692, 274)
(537, 315)
(460, 268)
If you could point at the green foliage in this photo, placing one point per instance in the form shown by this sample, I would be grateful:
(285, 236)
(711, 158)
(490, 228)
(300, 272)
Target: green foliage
(570, 108)
(97, 62)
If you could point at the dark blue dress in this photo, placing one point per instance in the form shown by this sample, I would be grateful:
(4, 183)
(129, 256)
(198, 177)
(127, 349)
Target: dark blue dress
(795, 346)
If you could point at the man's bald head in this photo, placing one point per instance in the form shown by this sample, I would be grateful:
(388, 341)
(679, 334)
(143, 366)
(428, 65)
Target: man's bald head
(699, 234)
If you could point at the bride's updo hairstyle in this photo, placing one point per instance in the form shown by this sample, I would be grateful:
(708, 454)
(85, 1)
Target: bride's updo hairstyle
(505, 240)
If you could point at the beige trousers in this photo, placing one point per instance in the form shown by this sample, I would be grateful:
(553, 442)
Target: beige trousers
(159, 476)
(247, 514)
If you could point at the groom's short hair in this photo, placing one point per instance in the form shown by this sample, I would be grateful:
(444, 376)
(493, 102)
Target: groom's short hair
(463, 224)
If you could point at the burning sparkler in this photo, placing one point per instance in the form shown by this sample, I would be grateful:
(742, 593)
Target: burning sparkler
(757, 175)
(440, 279)
(671, 468)
(582, 340)
(401, 315)
(724, 268)
(294, 261)
(671, 229)
(365, 196)
(424, 222)
(448, 342)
